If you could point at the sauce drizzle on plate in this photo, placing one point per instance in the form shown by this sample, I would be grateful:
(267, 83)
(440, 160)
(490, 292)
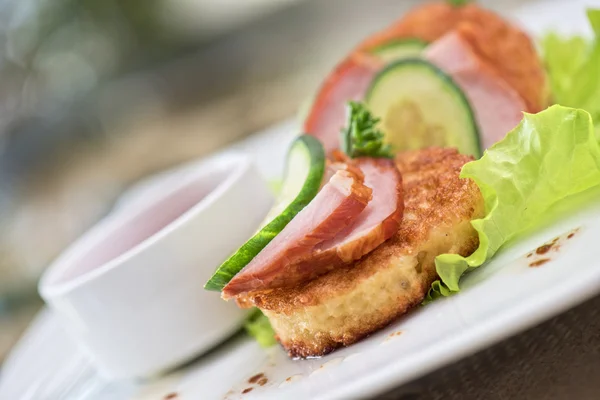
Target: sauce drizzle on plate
(551, 246)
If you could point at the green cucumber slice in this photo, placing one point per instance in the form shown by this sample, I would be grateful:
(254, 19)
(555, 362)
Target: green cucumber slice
(399, 49)
(421, 106)
(304, 171)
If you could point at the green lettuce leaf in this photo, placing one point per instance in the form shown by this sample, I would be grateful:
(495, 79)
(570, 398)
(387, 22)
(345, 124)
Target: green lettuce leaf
(548, 157)
(257, 325)
(594, 18)
(573, 65)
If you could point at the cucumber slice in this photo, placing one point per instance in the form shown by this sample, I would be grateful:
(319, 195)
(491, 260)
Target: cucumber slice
(399, 49)
(304, 171)
(421, 106)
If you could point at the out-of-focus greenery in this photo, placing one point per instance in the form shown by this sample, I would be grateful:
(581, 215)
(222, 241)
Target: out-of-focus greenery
(55, 49)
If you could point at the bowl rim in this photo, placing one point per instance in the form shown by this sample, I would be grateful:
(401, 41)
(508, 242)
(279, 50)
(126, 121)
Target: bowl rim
(51, 285)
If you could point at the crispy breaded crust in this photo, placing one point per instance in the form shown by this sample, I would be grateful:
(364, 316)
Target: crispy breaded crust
(349, 303)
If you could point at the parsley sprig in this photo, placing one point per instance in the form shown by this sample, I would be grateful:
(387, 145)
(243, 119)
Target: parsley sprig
(361, 138)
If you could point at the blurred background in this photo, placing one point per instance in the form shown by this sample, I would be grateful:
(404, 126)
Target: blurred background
(97, 94)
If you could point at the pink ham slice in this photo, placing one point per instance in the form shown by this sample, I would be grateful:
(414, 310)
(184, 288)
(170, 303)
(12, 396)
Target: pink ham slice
(349, 81)
(337, 204)
(378, 222)
(498, 107)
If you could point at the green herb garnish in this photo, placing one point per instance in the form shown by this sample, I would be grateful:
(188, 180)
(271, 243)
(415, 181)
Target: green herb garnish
(361, 138)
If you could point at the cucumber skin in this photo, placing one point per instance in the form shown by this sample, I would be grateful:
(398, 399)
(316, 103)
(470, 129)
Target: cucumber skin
(398, 42)
(252, 247)
(441, 74)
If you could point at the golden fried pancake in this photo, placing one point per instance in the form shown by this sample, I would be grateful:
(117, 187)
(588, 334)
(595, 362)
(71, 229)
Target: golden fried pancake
(351, 302)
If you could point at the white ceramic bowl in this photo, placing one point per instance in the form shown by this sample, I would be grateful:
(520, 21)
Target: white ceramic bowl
(131, 290)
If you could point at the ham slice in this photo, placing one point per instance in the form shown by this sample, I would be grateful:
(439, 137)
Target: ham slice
(349, 81)
(378, 222)
(338, 203)
(507, 49)
(498, 107)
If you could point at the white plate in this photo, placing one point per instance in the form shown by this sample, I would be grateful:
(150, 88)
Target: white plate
(498, 300)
